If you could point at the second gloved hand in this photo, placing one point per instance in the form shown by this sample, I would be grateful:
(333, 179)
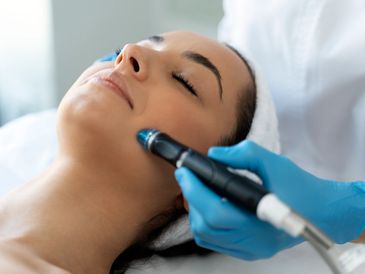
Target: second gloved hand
(336, 208)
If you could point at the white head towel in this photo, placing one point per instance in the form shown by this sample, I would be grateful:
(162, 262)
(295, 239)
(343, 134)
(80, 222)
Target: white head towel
(264, 131)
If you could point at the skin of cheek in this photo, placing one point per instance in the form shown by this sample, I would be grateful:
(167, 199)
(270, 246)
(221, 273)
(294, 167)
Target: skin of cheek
(189, 125)
(183, 121)
(199, 131)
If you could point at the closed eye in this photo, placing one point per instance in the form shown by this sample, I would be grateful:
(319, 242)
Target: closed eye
(183, 81)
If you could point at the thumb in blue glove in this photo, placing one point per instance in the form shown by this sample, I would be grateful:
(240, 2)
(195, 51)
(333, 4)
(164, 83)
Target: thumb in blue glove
(336, 208)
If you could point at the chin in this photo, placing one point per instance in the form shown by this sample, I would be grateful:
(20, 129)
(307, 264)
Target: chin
(89, 118)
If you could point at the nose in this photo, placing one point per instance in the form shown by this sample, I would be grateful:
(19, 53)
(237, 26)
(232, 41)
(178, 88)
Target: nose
(133, 59)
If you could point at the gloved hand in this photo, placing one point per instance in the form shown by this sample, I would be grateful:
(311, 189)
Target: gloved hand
(336, 208)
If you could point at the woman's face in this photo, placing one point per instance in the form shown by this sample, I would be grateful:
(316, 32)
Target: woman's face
(181, 83)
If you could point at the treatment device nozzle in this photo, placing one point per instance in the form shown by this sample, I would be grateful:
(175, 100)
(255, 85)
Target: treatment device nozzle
(161, 144)
(144, 135)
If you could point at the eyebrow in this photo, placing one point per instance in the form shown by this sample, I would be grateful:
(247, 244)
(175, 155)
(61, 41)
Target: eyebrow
(197, 58)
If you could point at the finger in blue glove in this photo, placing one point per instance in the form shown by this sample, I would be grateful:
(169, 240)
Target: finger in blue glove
(220, 226)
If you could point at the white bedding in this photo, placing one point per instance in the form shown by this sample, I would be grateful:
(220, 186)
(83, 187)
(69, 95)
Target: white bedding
(28, 145)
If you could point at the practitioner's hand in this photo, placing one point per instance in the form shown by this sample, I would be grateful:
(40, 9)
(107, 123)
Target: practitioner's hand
(336, 208)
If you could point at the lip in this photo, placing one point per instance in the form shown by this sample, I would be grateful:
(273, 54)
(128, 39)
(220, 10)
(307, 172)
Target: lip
(116, 83)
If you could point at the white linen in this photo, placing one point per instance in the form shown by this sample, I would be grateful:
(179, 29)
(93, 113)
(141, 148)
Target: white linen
(301, 259)
(27, 146)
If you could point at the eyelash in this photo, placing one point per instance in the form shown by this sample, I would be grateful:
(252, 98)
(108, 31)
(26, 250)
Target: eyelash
(185, 82)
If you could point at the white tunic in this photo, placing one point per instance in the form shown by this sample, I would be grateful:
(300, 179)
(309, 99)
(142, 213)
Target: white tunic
(313, 55)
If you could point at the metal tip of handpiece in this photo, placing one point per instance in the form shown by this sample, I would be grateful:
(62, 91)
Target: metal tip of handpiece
(143, 136)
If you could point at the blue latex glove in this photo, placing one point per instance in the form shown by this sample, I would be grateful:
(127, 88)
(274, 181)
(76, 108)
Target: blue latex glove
(108, 58)
(336, 208)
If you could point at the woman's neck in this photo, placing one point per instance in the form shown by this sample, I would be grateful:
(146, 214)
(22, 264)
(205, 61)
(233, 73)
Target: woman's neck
(73, 217)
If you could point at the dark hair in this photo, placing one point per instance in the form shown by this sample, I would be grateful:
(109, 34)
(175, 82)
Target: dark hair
(245, 110)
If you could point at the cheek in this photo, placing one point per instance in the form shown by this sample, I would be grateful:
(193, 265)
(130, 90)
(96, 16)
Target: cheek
(189, 122)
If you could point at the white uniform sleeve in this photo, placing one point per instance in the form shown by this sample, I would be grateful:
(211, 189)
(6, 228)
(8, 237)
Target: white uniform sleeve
(312, 54)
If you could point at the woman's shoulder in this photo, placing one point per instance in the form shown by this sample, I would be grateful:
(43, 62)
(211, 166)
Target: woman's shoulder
(15, 258)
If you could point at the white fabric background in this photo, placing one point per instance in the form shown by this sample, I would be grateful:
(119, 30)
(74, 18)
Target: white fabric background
(312, 54)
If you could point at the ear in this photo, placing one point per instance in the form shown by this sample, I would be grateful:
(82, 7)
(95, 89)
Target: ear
(181, 202)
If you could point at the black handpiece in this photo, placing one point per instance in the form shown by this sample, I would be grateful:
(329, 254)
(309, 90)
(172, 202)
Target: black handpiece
(238, 189)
